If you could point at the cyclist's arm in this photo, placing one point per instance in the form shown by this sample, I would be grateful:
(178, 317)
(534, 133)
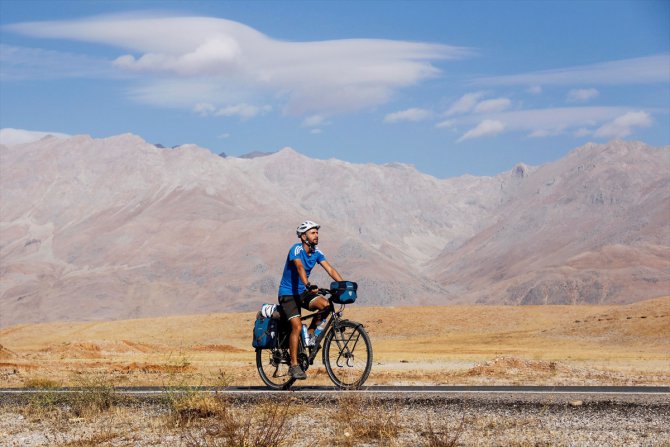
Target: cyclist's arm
(331, 271)
(302, 274)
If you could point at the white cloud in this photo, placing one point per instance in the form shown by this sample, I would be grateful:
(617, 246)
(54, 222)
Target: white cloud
(11, 137)
(557, 118)
(204, 109)
(315, 131)
(464, 104)
(623, 125)
(641, 70)
(535, 90)
(313, 121)
(446, 124)
(472, 103)
(414, 114)
(214, 56)
(333, 76)
(223, 136)
(486, 127)
(187, 93)
(244, 111)
(544, 133)
(539, 123)
(579, 133)
(492, 105)
(582, 94)
(23, 63)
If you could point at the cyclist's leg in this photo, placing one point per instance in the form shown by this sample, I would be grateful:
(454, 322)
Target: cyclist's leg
(291, 308)
(294, 339)
(317, 303)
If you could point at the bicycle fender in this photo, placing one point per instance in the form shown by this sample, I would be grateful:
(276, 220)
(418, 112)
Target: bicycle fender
(355, 323)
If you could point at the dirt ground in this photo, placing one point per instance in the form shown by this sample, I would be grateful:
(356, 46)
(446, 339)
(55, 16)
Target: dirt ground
(508, 345)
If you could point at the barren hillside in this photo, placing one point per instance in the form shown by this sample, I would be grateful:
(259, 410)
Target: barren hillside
(589, 228)
(118, 228)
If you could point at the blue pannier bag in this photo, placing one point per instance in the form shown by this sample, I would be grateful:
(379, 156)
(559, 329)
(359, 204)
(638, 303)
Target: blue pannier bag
(344, 292)
(265, 332)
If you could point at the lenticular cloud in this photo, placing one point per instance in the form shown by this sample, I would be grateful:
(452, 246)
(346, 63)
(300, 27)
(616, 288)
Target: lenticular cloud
(335, 75)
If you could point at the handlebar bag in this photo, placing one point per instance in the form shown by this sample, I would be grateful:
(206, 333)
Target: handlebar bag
(344, 292)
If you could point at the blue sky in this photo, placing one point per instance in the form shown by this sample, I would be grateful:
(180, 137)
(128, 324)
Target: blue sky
(452, 87)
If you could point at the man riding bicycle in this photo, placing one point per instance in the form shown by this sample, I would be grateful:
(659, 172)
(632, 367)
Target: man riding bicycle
(295, 291)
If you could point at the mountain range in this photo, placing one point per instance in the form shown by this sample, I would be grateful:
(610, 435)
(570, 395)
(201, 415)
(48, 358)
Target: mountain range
(120, 228)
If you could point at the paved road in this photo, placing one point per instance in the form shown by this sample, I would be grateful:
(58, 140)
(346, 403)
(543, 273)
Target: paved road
(457, 389)
(602, 397)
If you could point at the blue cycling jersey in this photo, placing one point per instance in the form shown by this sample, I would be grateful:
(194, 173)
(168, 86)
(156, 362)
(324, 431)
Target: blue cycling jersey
(290, 281)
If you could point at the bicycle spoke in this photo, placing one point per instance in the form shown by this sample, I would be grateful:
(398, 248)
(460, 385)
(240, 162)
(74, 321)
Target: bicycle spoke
(273, 365)
(348, 355)
(347, 352)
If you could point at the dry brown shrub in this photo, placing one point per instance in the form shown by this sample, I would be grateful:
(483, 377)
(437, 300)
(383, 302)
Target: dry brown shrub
(153, 368)
(360, 419)
(264, 425)
(93, 440)
(188, 407)
(95, 394)
(512, 367)
(444, 436)
(41, 383)
(62, 430)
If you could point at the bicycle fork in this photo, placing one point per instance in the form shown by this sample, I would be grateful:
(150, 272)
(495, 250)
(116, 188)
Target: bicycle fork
(347, 348)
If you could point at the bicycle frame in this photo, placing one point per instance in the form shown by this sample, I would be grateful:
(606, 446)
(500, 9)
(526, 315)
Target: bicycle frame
(332, 317)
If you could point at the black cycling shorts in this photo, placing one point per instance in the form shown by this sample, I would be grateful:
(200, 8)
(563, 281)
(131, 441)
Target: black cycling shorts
(291, 304)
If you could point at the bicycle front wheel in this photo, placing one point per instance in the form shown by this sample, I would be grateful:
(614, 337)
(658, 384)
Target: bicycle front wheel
(347, 355)
(273, 365)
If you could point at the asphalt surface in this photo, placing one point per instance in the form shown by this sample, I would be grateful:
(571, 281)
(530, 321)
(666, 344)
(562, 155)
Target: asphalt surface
(653, 399)
(506, 389)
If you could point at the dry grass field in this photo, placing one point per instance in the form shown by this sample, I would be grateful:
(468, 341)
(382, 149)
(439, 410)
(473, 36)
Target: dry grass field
(544, 345)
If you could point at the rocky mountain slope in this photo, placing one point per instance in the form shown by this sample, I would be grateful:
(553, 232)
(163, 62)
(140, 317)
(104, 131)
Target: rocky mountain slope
(591, 227)
(118, 228)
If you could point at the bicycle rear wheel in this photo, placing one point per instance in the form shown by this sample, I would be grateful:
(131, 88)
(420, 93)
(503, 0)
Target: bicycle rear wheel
(347, 355)
(273, 365)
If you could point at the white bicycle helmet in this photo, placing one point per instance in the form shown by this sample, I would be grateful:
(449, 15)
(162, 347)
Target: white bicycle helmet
(268, 309)
(305, 226)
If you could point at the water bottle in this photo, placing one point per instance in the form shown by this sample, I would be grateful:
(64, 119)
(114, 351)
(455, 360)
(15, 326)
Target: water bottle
(319, 328)
(306, 339)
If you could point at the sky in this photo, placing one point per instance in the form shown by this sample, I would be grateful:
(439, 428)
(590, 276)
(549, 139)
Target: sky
(451, 87)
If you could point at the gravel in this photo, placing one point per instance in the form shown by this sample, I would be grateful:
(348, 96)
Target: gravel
(358, 419)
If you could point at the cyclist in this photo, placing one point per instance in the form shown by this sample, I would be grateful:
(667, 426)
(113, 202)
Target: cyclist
(295, 291)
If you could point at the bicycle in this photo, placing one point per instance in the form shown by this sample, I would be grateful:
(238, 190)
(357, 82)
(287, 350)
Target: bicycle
(347, 350)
